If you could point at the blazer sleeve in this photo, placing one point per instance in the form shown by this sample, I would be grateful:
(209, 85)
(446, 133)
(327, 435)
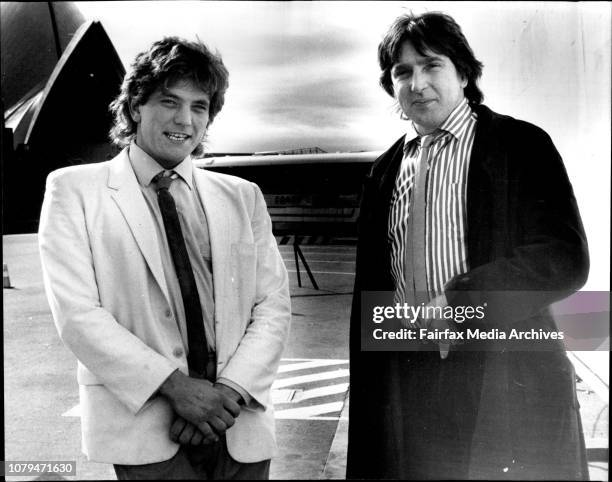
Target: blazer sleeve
(546, 258)
(118, 359)
(255, 362)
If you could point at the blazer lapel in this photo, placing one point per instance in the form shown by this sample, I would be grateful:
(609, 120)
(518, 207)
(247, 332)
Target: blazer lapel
(214, 203)
(126, 193)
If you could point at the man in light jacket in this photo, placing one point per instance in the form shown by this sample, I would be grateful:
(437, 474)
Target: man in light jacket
(167, 284)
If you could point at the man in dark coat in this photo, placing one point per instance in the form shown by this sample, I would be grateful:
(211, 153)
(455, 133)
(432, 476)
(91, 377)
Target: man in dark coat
(502, 229)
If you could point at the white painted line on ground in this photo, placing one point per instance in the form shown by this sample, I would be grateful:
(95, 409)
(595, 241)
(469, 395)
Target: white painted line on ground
(286, 382)
(596, 443)
(322, 272)
(309, 364)
(278, 397)
(282, 396)
(308, 412)
(320, 392)
(597, 361)
(73, 412)
(588, 373)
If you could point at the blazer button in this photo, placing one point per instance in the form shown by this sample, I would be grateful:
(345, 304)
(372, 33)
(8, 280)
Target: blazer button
(168, 313)
(178, 352)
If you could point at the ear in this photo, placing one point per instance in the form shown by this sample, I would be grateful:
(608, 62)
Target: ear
(464, 82)
(135, 112)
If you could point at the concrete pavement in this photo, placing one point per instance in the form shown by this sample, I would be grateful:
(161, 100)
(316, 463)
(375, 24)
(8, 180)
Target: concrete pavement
(41, 394)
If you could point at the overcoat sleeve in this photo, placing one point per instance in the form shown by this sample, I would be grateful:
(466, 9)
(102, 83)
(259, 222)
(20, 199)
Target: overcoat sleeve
(539, 254)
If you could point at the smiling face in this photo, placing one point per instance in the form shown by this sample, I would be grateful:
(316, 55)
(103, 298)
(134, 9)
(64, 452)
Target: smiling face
(427, 87)
(172, 122)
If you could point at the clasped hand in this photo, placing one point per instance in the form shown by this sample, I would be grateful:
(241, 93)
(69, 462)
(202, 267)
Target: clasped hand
(204, 411)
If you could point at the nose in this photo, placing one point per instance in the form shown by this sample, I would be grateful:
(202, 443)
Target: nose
(418, 81)
(182, 116)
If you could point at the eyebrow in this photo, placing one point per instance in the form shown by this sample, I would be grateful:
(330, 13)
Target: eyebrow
(163, 91)
(422, 61)
(166, 93)
(425, 59)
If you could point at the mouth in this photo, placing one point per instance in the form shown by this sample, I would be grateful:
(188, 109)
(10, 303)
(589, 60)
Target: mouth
(177, 137)
(423, 102)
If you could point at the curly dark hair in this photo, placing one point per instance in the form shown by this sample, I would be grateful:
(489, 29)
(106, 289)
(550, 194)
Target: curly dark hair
(438, 33)
(168, 60)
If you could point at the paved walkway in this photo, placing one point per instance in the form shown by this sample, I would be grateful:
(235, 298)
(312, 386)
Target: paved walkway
(310, 394)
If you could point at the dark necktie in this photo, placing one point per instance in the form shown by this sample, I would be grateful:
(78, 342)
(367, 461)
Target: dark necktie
(197, 357)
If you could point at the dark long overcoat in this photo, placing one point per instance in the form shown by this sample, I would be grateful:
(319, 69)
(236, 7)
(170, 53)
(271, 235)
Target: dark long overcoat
(488, 414)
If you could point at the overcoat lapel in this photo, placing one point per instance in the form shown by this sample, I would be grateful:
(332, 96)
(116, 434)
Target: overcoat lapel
(390, 164)
(479, 201)
(126, 193)
(374, 219)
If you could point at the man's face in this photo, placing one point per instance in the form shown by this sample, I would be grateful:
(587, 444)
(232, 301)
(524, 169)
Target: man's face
(172, 122)
(427, 88)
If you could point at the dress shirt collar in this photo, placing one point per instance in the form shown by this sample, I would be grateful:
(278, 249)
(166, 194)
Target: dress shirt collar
(146, 168)
(455, 124)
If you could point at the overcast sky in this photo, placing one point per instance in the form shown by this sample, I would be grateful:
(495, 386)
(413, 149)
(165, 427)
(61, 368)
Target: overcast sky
(302, 74)
(305, 74)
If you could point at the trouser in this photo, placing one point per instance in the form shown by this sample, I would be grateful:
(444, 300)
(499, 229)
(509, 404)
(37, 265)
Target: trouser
(203, 462)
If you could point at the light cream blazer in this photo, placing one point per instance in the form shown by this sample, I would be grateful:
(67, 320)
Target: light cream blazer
(103, 277)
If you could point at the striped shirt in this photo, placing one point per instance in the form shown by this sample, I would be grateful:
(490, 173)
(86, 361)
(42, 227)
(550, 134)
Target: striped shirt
(445, 211)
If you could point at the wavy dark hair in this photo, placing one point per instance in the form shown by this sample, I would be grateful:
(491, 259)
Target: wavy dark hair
(438, 33)
(168, 60)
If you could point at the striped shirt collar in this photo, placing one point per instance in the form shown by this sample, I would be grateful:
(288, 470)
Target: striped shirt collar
(146, 168)
(455, 124)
